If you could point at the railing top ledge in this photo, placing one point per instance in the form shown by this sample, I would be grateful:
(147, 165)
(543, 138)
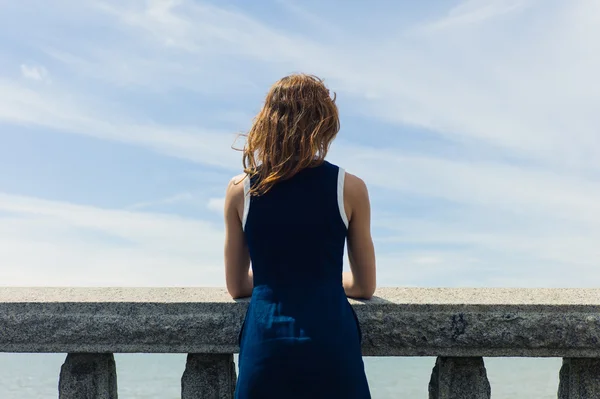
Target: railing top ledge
(397, 322)
(390, 295)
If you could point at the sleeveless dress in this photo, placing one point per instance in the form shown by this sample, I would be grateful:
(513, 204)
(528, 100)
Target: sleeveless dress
(300, 337)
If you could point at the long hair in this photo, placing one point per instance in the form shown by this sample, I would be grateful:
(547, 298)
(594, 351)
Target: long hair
(293, 130)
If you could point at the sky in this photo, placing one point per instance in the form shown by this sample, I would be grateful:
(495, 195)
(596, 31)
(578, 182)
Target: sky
(474, 124)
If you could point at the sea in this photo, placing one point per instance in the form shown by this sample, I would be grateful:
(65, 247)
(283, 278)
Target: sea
(158, 376)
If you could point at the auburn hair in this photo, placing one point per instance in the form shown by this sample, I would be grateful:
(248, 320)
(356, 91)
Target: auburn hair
(293, 130)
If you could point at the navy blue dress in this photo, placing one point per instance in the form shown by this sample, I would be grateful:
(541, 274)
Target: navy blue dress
(300, 337)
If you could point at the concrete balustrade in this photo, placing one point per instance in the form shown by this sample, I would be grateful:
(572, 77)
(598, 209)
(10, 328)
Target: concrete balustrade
(459, 326)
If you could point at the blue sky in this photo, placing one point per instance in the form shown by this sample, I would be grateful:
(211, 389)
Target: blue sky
(474, 124)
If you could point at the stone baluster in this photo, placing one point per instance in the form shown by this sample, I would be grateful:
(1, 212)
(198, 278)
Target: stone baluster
(459, 378)
(88, 376)
(208, 376)
(579, 379)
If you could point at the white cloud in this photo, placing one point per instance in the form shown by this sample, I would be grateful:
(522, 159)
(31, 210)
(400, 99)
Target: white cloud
(482, 95)
(427, 260)
(55, 243)
(173, 199)
(475, 11)
(57, 110)
(34, 72)
(470, 82)
(509, 251)
(497, 186)
(510, 84)
(216, 204)
(407, 268)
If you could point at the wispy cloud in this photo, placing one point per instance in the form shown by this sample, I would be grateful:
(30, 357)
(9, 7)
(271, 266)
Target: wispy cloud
(475, 12)
(482, 91)
(34, 72)
(59, 111)
(216, 204)
(49, 243)
(173, 199)
(510, 188)
(474, 125)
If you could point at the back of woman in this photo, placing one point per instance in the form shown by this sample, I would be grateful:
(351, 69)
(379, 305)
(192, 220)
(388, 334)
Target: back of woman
(290, 216)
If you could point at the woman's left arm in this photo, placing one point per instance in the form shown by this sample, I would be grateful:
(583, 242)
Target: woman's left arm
(238, 275)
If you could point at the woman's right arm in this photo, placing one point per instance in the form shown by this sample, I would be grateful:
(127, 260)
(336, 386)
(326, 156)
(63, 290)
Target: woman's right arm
(238, 274)
(360, 282)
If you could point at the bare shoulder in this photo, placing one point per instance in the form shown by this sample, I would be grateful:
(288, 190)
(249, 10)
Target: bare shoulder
(234, 196)
(235, 188)
(356, 196)
(355, 187)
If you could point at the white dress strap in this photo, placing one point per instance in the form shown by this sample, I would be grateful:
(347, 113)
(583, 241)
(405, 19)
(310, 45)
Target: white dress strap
(246, 201)
(340, 195)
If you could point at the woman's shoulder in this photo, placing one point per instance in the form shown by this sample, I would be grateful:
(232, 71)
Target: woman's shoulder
(237, 179)
(354, 182)
(235, 188)
(355, 188)
(351, 181)
(234, 196)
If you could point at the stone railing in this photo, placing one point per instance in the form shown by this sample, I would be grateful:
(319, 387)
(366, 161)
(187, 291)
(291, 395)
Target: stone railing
(459, 326)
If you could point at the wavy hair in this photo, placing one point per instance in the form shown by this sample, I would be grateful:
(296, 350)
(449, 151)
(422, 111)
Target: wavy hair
(293, 130)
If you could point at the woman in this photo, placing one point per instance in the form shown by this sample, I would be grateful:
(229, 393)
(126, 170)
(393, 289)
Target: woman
(291, 214)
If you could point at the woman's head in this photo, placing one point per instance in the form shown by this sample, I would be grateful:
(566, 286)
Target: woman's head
(292, 131)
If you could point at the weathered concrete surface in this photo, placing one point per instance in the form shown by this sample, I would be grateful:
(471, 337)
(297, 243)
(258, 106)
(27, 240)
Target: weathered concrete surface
(459, 378)
(398, 322)
(579, 379)
(209, 376)
(88, 376)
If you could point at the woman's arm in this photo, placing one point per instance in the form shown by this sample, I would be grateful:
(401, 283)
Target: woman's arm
(238, 275)
(360, 282)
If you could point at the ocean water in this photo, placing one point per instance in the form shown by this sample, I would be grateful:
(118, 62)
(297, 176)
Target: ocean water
(157, 376)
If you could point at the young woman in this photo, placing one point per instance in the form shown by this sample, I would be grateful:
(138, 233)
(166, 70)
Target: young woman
(290, 215)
